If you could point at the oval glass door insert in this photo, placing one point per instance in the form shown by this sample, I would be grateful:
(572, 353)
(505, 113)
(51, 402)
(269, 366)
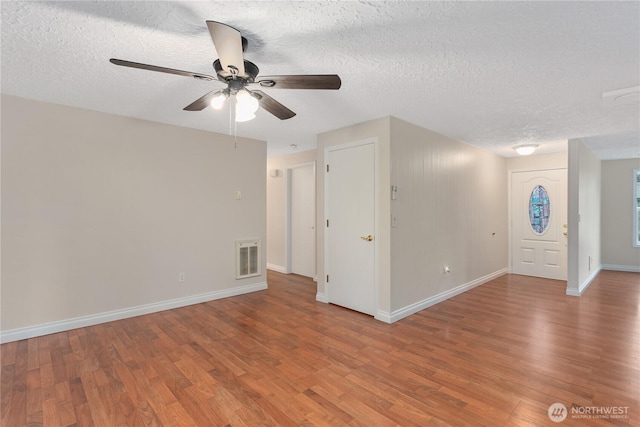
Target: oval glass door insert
(539, 210)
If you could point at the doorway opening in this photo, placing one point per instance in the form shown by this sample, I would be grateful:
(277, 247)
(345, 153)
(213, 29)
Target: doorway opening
(301, 220)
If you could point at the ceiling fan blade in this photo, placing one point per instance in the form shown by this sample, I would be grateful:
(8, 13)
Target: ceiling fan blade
(309, 81)
(202, 102)
(273, 106)
(228, 43)
(161, 69)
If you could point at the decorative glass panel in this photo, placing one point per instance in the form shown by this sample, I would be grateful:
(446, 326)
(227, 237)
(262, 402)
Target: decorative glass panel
(539, 210)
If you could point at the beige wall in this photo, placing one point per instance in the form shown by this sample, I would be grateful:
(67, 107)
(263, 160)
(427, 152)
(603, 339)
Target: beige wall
(584, 217)
(443, 213)
(102, 212)
(277, 205)
(617, 215)
(451, 199)
(538, 162)
(380, 130)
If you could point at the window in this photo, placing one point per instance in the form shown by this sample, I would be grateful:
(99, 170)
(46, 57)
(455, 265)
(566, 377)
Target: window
(636, 207)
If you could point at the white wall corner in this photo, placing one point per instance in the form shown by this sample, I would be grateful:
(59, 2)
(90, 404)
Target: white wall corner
(383, 316)
(321, 297)
(278, 268)
(110, 316)
(584, 285)
(421, 305)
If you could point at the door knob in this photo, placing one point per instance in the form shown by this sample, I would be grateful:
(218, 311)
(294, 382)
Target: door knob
(367, 238)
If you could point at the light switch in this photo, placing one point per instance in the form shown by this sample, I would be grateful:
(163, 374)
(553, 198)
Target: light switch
(238, 194)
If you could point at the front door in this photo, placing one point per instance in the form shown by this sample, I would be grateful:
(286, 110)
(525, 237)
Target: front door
(350, 240)
(539, 223)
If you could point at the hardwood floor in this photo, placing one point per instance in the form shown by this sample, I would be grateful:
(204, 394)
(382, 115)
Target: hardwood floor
(498, 355)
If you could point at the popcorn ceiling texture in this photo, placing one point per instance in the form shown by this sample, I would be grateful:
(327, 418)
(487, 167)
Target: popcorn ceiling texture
(492, 74)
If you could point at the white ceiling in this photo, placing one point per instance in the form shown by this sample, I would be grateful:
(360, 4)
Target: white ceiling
(492, 74)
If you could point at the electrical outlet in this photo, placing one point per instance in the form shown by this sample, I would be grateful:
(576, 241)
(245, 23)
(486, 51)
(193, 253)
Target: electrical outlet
(181, 277)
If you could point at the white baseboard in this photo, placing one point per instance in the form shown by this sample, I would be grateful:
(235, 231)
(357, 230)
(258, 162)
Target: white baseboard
(109, 316)
(278, 268)
(383, 316)
(401, 313)
(584, 285)
(616, 267)
(321, 297)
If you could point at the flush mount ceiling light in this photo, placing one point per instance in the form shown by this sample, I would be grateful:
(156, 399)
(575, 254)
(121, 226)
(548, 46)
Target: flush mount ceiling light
(525, 149)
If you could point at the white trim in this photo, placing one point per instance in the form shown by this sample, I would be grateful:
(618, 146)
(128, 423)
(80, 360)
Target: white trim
(616, 267)
(109, 316)
(383, 316)
(583, 287)
(401, 313)
(278, 268)
(321, 297)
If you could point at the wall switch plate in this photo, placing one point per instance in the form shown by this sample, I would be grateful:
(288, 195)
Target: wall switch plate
(238, 194)
(181, 277)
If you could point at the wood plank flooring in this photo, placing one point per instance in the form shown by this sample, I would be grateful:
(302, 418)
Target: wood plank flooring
(498, 355)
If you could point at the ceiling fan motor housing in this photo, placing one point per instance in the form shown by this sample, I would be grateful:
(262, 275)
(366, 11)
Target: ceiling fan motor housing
(251, 70)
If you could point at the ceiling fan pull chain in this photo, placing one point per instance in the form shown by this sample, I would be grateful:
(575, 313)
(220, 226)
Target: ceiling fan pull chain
(235, 128)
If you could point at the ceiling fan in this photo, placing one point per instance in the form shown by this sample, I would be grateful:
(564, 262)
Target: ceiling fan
(240, 75)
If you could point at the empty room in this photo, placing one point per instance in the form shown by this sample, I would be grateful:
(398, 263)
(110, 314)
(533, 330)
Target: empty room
(320, 213)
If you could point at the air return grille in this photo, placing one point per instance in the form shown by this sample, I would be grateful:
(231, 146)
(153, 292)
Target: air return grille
(247, 258)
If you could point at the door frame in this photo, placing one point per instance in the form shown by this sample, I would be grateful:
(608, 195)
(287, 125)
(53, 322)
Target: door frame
(376, 218)
(287, 215)
(510, 214)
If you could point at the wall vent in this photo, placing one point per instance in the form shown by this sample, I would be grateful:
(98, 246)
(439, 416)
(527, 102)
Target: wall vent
(247, 258)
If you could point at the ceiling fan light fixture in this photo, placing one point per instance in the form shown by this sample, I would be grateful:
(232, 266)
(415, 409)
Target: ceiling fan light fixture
(217, 102)
(244, 117)
(245, 103)
(525, 149)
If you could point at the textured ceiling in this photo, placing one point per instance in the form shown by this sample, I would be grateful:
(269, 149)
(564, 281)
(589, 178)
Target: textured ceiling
(492, 74)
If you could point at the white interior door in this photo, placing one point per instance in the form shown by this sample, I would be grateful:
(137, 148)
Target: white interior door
(350, 240)
(302, 190)
(539, 223)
